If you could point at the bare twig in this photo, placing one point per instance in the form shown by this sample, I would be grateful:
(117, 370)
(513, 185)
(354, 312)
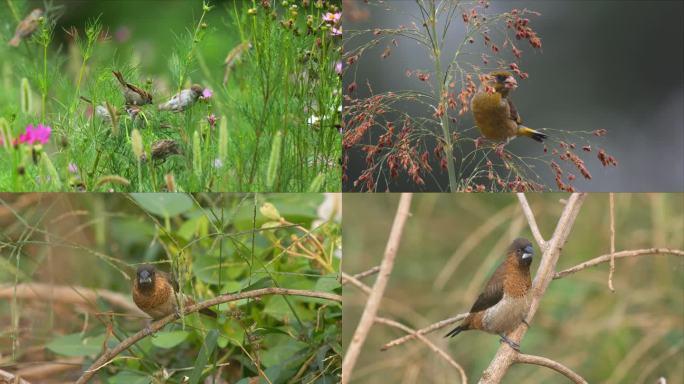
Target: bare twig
(373, 303)
(548, 363)
(618, 255)
(505, 356)
(433, 347)
(159, 324)
(50, 369)
(430, 328)
(612, 242)
(355, 282)
(369, 272)
(527, 211)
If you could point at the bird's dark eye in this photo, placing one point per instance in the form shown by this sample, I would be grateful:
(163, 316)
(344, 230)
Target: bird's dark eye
(501, 78)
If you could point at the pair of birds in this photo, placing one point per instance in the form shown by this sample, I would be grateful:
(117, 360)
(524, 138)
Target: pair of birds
(136, 96)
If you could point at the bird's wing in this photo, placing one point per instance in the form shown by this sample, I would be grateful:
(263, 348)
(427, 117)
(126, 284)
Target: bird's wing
(514, 112)
(492, 293)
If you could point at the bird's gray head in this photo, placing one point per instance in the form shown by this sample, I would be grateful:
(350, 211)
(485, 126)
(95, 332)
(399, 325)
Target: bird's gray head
(145, 275)
(523, 251)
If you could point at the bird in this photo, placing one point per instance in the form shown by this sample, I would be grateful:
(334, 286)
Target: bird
(494, 112)
(183, 99)
(101, 110)
(133, 95)
(26, 27)
(154, 293)
(505, 300)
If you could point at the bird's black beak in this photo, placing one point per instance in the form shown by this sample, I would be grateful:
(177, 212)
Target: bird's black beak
(144, 277)
(528, 252)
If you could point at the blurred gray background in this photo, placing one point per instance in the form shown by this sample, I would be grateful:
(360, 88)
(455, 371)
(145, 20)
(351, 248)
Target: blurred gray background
(616, 65)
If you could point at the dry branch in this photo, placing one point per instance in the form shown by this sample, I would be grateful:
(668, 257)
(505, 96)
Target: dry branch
(69, 295)
(433, 347)
(430, 328)
(527, 211)
(355, 282)
(618, 255)
(373, 303)
(506, 355)
(548, 363)
(159, 324)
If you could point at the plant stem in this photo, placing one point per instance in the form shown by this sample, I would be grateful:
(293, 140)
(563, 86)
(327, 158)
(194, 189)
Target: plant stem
(444, 119)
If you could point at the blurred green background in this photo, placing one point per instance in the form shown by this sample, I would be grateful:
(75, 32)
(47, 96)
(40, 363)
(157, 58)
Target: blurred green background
(216, 243)
(634, 335)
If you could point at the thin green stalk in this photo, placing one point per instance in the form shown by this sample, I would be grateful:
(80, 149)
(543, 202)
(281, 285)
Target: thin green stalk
(444, 119)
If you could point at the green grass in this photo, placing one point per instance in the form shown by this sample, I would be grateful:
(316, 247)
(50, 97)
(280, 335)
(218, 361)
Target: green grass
(283, 89)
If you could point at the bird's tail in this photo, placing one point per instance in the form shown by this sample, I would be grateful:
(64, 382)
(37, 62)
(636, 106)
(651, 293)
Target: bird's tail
(456, 331)
(119, 77)
(531, 133)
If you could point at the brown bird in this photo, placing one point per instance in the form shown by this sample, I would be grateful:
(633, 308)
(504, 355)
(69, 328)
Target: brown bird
(494, 112)
(153, 292)
(134, 95)
(505, 300)
(26, 27)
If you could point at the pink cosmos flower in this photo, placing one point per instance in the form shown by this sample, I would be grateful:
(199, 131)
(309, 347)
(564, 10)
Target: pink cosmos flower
(332, 18)
(336, 31)
(32, 135)
(338, 68)
(207, 93)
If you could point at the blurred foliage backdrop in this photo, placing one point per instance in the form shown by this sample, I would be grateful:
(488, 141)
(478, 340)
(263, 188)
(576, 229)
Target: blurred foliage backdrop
(215, 244)
(634, 335)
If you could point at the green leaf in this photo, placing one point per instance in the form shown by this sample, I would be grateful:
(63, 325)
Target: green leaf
(164, 204)
(74, 345)
(203, 355)
(169, 339)
(328, 283)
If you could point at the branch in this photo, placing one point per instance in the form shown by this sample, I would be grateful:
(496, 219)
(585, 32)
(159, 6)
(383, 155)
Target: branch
(548, 363)
(369, 272)
(68, 294)
(527, 211)
(430, 328)
(159, 324)
(376, 294)
(434, 348)
(505, 356)
(618, 255)
(355, 282)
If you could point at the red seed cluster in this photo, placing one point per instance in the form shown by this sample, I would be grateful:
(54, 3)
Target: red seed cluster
(521, 25)
(606, 159)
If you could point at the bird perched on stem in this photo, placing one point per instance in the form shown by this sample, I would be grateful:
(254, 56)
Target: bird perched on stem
(26, 27)
(133, 95)
(494, 112)
(505, 300)
(155, 293)
(183, 99)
